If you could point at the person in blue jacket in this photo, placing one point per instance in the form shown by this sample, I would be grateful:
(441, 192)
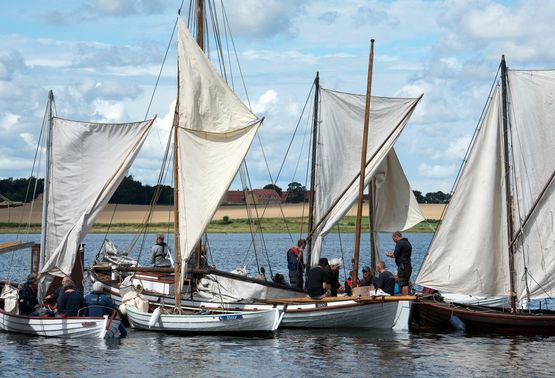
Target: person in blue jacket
(100, 304)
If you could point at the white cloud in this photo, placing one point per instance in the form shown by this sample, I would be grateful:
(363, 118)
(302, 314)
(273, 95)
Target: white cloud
(109, 111)
(265, 102)
(29, 139)
(458, 147)
(9, 120)
(437, 170)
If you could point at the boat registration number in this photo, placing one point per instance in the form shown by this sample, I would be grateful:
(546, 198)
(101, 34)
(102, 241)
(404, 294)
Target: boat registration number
(231, 317)
(88, 324)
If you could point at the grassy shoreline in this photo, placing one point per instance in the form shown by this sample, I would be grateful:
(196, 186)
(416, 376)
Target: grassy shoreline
(268, 225)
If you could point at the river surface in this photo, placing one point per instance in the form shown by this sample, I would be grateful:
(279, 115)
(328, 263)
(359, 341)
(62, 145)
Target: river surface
(287, 353)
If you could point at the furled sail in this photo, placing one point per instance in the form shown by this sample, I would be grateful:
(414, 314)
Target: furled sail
(338, 162)
(532, 115)
(87, 163)
(215, 132)
(469, 251)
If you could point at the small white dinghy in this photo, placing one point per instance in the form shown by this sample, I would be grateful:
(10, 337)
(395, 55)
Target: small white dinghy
(70, 327)
(198, 320)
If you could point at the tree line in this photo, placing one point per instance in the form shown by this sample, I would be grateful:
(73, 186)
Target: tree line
(134, 192)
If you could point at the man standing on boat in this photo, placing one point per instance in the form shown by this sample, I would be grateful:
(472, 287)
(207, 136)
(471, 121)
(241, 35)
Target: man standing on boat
(295, 264)
(159, 252)
(402, 254)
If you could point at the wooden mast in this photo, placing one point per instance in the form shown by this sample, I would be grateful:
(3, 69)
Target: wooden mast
(372, 226)
(508, 196)
(46, 180)
(177, 256)
(200, 42)
(363, 164)
(313, 170)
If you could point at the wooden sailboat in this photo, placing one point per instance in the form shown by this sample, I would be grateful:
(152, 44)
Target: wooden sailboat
(70, 207)
(213, 131)
(332, 197)
(496, 237)
(201, 198)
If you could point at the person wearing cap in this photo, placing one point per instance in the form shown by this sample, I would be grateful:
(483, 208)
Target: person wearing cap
(159, 253)
(295, 264)
(99, 304)
(366, 276)
(319, 280)
(335, 286)
(28, 301)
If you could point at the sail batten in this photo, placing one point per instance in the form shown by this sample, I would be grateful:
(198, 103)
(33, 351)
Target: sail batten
(338, 160)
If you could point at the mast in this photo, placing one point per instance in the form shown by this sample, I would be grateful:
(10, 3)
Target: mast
(176, 254)
(200, 23)
(47, 173)
(508, 196)
(200, 42)
(363, 164)
(313, 170)
(372, 226)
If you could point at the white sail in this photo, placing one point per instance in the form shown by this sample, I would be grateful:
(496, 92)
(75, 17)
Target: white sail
(532, 115)
(396, 207)
(338, 161)
(469, 252)
(215, 132)
(87, 163)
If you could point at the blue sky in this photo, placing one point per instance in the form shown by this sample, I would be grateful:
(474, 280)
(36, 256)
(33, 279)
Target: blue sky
(101, 58)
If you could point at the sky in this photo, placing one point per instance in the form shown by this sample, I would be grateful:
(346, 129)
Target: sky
(102, 57)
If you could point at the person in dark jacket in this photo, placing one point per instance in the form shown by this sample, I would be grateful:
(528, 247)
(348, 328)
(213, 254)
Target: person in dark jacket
(367, 277)
(384, 279)
(100, 304)
(402, 255)
(295, 264)
(28, 301)
(319, 280)
(335, 286)
(70, 301)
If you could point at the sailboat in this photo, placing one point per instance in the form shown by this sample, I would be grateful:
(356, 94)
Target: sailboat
(343, 164)
(213, 131)
(497, 235)
(85, 163)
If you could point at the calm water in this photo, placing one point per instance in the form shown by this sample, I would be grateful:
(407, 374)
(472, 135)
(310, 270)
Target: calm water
(287, 353)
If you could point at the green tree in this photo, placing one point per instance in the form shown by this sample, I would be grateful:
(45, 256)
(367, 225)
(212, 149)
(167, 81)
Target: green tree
(419, 197)
(275, 187)
(437, 197)
(295, 193)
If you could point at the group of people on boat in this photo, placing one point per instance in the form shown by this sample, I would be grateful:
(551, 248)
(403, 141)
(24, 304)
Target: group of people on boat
(67, 300)
(323, 279)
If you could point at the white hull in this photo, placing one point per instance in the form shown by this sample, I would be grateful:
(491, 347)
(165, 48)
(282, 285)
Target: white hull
(344, 314)
(254, 321)
(71, 327)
